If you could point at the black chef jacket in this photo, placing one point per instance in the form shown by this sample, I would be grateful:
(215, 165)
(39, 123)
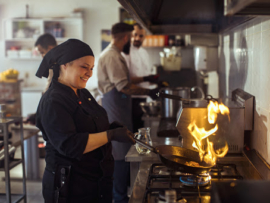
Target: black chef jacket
(66, 121)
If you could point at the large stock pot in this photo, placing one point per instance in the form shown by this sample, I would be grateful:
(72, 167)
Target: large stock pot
(170, 107)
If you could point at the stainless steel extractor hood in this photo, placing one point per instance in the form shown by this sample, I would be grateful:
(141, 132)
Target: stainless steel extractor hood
(176, 16)
(247, 7)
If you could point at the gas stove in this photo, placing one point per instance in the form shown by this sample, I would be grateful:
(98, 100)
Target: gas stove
(164, 183)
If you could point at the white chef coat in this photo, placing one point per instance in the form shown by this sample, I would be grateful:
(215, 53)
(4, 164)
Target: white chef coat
(138, 64)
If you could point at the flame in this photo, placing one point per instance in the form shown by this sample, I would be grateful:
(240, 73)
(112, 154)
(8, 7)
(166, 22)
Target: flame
(212, 112)
(199, 134)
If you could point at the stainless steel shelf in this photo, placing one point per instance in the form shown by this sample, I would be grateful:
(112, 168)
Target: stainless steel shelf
(9, 164)
(12, 164)
(14, 198)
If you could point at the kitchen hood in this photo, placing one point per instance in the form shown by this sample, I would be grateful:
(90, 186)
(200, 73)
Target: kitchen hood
(247, 7)
(176, 16)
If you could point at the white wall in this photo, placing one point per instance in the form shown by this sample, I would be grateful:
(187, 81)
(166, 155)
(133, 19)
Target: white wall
(244, 63)
(98, 15)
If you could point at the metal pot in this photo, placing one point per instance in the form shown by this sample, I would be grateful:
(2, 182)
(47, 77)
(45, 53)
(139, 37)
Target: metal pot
(170, 107)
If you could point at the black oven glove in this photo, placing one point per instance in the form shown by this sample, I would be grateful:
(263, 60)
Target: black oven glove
(31, 119)
(115, 125)
(151, 78)
(121, 135)
(153, 93)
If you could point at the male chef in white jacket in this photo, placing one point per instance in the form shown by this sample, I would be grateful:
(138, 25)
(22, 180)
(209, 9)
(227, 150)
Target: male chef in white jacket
(139, 66)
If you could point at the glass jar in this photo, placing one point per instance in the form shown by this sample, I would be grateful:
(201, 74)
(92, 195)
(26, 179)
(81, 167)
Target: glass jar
(143, 135)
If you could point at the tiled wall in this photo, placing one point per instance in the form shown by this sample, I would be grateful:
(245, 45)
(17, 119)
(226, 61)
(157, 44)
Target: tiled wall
(245, 63)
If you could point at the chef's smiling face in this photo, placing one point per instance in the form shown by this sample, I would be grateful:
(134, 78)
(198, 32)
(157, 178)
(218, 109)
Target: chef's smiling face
(76, 73)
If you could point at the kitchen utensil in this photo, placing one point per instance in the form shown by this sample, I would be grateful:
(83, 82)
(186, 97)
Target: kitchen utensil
(179, 159)
(151, 108)
(143, 135)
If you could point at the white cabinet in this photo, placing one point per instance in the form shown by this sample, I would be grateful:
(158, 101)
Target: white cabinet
(20, 34)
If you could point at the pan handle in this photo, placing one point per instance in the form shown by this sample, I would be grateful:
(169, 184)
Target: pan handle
(152, 149)
(170, 96)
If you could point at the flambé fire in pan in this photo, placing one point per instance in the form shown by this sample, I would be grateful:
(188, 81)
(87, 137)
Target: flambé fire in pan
(209, 155)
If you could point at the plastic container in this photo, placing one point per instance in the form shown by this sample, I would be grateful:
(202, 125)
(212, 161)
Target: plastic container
(172, 63)
(161, 40)
(25, 53)
(155, 40)
(12, 53)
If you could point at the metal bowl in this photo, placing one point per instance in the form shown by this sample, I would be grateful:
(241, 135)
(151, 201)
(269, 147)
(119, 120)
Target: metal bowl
(151, 108)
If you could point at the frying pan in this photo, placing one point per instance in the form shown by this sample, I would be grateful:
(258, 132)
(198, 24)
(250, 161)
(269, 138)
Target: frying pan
(177, 158)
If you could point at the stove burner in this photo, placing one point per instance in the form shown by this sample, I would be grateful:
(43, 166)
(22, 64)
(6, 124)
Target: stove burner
(166, 171)
(192, 180)
(161, 197)
(217, 169)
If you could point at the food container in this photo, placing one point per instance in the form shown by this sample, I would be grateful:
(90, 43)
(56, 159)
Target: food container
(172, 63)
(171, 59)
(25, 53)
(12, 53)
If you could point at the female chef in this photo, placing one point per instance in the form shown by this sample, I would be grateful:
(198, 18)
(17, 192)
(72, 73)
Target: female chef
(78, 135)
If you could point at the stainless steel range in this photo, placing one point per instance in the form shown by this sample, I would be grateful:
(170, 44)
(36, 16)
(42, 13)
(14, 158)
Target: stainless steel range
(234, 172)
(184, 187)
(155, 179)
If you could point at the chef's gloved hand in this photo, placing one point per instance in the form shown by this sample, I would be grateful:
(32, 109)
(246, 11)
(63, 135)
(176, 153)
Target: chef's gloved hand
(121, 135)
(115, 125)
(31, 119)
(151, 78)
(153, 93)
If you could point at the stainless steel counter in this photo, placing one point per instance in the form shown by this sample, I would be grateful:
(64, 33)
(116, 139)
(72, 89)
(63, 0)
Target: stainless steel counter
(140, 182)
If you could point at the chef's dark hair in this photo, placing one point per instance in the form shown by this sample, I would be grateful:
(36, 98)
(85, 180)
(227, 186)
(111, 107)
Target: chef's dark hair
(66, 52)
(120, 29)
(138, 25)
(46, 40)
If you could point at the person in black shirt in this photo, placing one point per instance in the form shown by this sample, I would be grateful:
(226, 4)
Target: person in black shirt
(79, 162)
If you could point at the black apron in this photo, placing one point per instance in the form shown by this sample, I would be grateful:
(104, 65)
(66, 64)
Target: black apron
(118, 107)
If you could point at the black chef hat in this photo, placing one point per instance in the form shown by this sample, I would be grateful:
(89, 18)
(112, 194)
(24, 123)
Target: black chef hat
(66, 52)
(121, 27)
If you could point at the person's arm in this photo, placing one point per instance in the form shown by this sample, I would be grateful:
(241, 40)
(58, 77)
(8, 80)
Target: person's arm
(136, 80)
(148, 78)
(119, 134)
(131, 89)
(118, 75)
(95, 141)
